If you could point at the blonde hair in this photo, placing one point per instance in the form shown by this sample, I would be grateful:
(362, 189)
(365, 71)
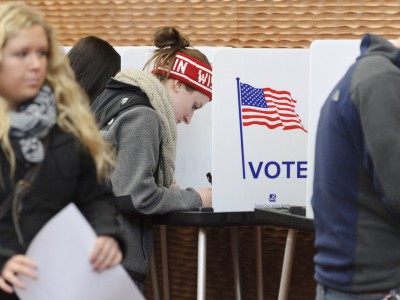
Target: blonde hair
(73, 114)
(169, 41)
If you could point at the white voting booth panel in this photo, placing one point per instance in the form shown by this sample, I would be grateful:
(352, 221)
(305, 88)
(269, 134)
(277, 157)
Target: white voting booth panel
(259, 165)
(134, 57)
(66, 49)
(329, 60)
(194, 151)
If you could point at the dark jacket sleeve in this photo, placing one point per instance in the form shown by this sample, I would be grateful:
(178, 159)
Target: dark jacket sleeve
(96, 202)
(5, 254)
(379, 113)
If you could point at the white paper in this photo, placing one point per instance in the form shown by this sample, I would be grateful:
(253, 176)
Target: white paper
(62, 252)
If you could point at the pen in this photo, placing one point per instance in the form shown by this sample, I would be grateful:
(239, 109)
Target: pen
(209, 177)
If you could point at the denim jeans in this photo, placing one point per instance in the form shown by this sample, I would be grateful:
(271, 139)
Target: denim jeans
(324, 293)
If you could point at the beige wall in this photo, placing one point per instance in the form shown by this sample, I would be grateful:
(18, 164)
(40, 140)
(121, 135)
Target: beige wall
(237, 23)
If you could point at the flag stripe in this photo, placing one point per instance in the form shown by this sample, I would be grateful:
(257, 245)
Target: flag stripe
(269, 125)
(247, 111)
(287, 100)
(256, 117)
(269, 107)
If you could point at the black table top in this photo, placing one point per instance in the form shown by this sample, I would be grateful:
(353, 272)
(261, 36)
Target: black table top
(260, 216)
(283, 218)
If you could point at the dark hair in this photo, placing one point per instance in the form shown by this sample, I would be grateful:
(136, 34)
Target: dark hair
(169, 41)
(94, 61)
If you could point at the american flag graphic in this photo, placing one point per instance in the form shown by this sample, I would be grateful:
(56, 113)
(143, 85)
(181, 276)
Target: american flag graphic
(268, 107)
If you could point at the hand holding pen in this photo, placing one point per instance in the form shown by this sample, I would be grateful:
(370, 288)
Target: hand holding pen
(206, 193)
(209, 177)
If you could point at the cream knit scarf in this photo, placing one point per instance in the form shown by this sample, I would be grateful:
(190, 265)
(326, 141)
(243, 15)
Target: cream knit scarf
(162, 104)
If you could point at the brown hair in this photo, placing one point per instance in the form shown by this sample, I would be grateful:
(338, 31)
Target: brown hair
(94, 62)
(169, 41)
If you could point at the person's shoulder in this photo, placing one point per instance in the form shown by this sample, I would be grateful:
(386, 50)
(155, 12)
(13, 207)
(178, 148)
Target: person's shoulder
(140, 113)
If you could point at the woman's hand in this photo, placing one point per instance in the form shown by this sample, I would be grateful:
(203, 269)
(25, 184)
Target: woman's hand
(106, 253)
(174, 186)
(206, 196)
(17, 265)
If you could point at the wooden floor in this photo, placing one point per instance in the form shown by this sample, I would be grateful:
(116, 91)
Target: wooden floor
(182, 251)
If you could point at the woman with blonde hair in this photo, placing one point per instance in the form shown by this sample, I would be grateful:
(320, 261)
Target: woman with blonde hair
(49, 143)
(145, 136)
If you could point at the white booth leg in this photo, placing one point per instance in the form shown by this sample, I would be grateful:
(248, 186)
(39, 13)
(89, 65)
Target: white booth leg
(287, 264)
(259, 261)
(201, 267)
(235, 259)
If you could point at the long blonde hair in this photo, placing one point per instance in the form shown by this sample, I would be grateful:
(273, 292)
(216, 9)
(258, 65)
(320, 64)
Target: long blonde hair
(73, 114)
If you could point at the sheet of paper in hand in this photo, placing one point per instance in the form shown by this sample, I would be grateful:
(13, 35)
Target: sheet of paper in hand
(62, 250)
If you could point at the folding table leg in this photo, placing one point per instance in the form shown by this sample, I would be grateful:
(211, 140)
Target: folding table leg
(287, 264)
(153, 275)
(259, 260)
(235, 259)
(201, 264)
(164, 258)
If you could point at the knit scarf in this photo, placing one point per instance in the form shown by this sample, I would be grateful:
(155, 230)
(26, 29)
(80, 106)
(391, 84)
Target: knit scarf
(162, 103)
(32, 123)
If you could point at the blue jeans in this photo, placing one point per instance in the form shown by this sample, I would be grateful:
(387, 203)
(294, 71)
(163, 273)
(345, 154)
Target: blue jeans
(324, 293)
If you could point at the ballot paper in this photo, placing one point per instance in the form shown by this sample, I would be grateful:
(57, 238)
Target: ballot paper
(62, 250)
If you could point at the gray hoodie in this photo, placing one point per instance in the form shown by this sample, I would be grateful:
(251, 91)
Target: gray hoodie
(137, 136)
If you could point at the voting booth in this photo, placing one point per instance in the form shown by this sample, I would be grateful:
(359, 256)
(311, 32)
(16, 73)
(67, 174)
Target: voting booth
(257, 136)
(260, 128)
(273, 160)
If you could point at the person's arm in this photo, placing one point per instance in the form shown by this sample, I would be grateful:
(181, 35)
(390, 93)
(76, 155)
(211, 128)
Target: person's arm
(137, 136)
(380, 119)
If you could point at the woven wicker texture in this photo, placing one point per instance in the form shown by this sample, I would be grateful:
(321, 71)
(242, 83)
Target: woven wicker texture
(182, 254)
(237, 23)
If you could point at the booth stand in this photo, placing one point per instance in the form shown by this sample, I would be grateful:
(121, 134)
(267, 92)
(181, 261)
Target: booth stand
(234, 220)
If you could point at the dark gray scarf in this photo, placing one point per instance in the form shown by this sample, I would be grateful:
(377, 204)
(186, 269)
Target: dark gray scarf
(32, 123)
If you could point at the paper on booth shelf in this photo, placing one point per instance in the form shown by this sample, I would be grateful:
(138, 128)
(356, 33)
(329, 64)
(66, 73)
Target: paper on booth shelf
(62, 250)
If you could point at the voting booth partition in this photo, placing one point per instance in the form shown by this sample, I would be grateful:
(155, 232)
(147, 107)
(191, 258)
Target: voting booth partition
(259, 128)
(254, 160)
